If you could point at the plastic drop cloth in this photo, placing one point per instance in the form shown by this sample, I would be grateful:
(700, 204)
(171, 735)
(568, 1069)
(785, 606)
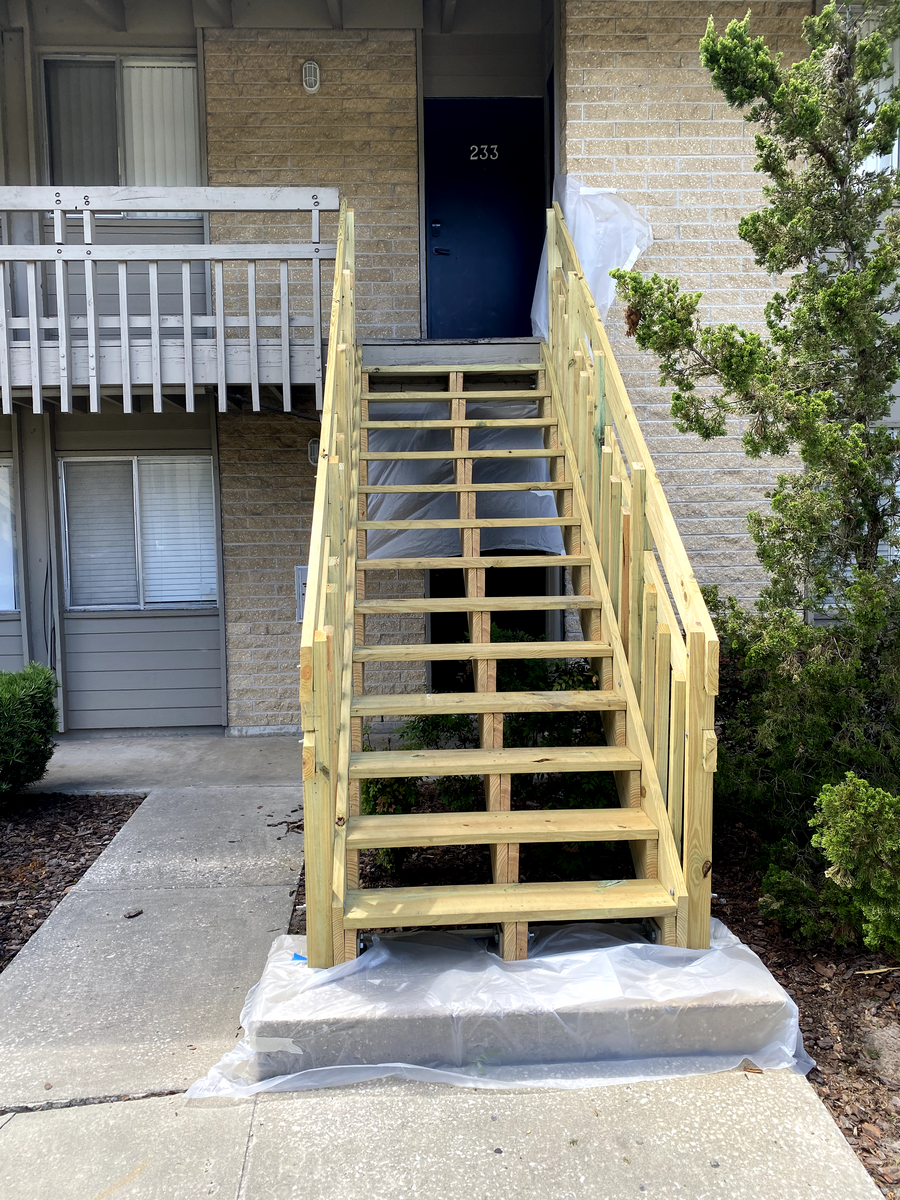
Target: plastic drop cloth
(416, 506)
(608, 232)
(591, 1005)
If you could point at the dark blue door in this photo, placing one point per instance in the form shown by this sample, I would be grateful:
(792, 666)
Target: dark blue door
(484, 215)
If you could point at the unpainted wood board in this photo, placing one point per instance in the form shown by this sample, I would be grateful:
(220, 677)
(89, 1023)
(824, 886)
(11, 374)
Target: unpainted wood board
(432, 604)
(473, 523)
(478, 702)
(521, 560)
(426, 488)
(488, 902)
(450, 651)
(472, 368)
(414, 764)
(484, 828)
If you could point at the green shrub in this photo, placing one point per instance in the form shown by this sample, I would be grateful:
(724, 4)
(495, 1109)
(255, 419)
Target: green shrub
(27, 726)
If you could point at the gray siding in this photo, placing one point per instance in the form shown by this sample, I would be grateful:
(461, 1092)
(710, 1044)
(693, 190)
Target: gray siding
(136, 670)
(11, 658)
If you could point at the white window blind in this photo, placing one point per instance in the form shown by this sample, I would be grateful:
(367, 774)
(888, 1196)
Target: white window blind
(100, 534)
(7, 545)
(162, 124)
(178, 530)
(140, 532)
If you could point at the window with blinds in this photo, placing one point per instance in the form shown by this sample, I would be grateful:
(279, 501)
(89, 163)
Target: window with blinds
(124, 121)
(140, 532)
(7, 541)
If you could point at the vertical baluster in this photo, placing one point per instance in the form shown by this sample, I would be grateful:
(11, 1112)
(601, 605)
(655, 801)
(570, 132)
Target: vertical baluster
(285, 336)
(614, 566)
(677, 732)
(155, 348)
(606, 470)
(253, 334)
(219, 275)
(34, 337)
(636, 572)
(648, 659)
(64, 341)
(188, 321)
(93, 316)
(5, 317)
(125, 338)
(661, 705)
(698, 782)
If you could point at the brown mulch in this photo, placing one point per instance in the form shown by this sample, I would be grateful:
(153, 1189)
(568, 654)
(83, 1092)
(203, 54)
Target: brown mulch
(47, 842)
(850, 1020)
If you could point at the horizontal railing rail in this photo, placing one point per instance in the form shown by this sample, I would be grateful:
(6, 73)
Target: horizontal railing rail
(101, 315)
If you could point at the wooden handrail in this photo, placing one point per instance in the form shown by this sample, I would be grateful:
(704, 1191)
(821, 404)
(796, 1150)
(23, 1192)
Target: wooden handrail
(654, 594)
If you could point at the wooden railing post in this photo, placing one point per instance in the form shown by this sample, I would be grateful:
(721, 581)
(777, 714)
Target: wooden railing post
(698, 791)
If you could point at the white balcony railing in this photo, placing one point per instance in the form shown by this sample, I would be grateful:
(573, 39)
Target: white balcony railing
(93, 310)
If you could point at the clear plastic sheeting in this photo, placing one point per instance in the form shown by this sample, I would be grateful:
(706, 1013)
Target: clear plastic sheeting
(608, 233)
(591, 1005)
(431, 506)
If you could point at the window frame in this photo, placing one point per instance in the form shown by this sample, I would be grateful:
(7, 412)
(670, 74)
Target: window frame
(119, 61)
(8, 461)
(142, 606)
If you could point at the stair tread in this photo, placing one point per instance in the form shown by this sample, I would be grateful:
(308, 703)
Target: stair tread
(498, 452)
(434, 604)
(487, 562)
(446, 369)
(472, 523)
(471, 423)
(463, 651)
(513, 760)
(483, 828)
(475, 702)
(534, 485)
(488, 902)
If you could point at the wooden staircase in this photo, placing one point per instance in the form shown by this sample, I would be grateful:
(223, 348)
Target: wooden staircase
(654, 670)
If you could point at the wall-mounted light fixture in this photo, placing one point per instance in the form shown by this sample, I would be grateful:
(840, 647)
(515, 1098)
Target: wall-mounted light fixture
(312, 452)
(311, 77)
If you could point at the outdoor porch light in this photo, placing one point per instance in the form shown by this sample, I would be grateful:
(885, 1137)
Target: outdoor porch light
(311, 76)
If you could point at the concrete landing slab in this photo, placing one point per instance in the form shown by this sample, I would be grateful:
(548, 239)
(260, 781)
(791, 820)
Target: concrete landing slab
(227, 837)
(731, 1136)
(129, 764)
(159, 1149)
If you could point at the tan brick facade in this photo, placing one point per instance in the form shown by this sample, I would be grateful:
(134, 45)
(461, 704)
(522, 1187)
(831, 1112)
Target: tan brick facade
(641, 116)
(358, 133)
(267, 486)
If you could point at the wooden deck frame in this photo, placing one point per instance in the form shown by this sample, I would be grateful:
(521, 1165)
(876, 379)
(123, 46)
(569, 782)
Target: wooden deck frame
(646, 633)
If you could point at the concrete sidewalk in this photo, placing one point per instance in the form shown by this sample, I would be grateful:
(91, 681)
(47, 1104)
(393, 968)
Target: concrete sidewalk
(106, 1009)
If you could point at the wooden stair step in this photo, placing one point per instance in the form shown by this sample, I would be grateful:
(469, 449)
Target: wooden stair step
(379, 908)
(465, 652)
(549, 760)
(443, 703)
(487, 828)
(384, 489)
(470, 369)
(435, 604)
(473, 523)
(486, 563)
(520, 423)
(520, 395)
(421, 455)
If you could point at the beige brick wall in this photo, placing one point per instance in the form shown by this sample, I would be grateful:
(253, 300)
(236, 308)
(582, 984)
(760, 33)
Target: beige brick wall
(267, 488)
(642, 117)
(358, 133)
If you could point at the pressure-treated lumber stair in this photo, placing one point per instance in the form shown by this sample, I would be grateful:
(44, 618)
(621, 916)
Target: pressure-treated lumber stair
(644, 631)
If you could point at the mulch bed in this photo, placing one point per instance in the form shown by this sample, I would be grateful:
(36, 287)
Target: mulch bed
(47, 842)
(849, 1019)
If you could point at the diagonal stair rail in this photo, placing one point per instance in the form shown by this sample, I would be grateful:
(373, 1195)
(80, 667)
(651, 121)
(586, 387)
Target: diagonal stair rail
(656, 669)
(669, 640)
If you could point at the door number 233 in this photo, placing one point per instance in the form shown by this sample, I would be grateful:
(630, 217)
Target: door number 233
(477, 152)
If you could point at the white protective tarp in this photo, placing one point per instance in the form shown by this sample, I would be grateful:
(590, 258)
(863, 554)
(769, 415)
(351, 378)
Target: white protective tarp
(608, 233)
(591, 1005)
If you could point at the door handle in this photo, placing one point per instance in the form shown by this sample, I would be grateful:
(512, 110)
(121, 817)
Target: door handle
(441, 250)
